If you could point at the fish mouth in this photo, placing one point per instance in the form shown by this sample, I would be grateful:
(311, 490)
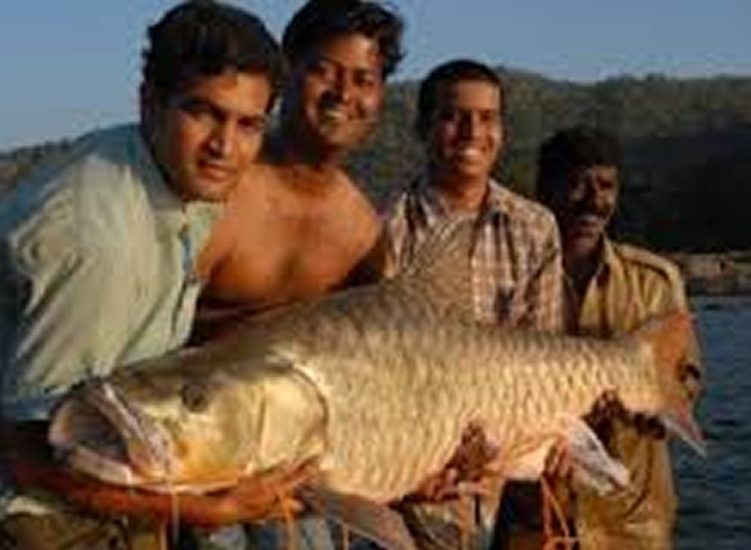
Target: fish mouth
(96, 432)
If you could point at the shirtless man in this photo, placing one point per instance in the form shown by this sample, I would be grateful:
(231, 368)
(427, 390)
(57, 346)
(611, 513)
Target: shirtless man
(299, 226)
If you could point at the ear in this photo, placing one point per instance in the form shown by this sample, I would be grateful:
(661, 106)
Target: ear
(148, 107)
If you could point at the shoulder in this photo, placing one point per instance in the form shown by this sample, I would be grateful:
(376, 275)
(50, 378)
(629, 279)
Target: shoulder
(534, 219)
(523, 209)
(100, 166)
(649, 264)
(76, 203)
(401, 214)
(109, 164)
(354, 197)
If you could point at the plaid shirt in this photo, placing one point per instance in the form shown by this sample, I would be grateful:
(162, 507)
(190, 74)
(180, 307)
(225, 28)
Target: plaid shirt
(516, 257)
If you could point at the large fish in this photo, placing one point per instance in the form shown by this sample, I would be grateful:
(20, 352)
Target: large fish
(378, 383)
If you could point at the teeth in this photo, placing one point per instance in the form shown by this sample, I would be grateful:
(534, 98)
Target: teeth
(470, 152)
(588, 219)
(334, 115)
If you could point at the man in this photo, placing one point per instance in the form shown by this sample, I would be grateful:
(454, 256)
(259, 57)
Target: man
(515, 259)
(612, 288)
(299, 226)
(98, 253)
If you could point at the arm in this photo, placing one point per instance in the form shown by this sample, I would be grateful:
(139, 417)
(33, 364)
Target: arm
(70, 311)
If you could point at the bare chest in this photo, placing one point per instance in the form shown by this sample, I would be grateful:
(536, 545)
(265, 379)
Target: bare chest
(288, 256)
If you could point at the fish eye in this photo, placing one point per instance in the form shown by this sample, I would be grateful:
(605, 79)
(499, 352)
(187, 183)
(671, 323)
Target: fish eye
(195, 396)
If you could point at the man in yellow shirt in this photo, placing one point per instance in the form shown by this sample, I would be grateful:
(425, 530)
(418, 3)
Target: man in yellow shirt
(611, 288)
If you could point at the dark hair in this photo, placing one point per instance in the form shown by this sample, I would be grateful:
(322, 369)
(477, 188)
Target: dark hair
(573, 148)
(319, 20)
(200, 38)
(450, 72)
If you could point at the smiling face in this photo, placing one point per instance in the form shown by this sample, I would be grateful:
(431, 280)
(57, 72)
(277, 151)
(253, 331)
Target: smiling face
(206, 135)
(584, 205)
(335, 94)
(464, 135)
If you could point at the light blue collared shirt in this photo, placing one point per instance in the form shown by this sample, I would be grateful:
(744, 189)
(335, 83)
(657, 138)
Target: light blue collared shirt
(96, 270)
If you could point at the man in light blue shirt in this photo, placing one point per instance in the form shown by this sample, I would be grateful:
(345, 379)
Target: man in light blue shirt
(97, 252)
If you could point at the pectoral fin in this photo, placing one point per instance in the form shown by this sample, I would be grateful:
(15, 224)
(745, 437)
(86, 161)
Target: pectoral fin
(376, 522)
(592, 466)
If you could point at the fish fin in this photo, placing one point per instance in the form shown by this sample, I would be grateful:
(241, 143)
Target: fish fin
(592, 466)
(670, 337)
(376, 522)
(451, 528)
(438, 268)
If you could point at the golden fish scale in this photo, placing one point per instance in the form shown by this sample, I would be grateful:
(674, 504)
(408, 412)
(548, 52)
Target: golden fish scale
(403, 378)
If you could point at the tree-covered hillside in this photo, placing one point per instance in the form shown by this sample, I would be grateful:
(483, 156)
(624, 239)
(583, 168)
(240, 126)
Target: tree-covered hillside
(687, 144)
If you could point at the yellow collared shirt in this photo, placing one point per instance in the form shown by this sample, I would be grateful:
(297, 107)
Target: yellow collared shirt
(630, 285)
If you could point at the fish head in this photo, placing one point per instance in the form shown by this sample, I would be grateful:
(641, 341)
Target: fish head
(664, 343)
(192, 429)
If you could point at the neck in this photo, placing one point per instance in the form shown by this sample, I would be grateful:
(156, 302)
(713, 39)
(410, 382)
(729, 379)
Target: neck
(289, 149)
(301, 172)
(460, 195)
(158, 164)
(580, 262)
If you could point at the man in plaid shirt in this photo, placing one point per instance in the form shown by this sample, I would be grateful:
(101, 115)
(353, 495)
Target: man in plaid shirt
(516, 254)
(516, 257)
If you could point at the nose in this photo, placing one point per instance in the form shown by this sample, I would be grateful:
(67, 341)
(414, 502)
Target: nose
(341, 87)
(221, 139)
(595, 198)
(468, 126)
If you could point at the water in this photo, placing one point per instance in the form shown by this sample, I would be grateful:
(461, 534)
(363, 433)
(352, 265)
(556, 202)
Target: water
(715, 494)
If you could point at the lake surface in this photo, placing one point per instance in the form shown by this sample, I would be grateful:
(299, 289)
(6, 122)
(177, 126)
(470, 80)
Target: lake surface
(715, 494)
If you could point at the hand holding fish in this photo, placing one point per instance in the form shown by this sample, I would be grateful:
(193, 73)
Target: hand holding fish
(471, 470)
(263, 497)
(378, 383)
(467, 467)
(608, 408)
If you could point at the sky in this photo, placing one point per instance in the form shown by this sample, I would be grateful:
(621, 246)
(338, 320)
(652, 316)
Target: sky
(69, 66)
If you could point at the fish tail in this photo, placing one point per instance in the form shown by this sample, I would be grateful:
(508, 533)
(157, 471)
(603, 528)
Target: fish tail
(670, 337)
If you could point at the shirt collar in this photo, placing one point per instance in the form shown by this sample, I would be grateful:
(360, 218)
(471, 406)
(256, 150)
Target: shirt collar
(161, 196)
(495, 202)
(607, 261)
(167, 205)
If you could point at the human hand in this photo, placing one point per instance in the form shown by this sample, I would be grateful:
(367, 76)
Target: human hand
(468, 468)
(609, 408)
(31, 466)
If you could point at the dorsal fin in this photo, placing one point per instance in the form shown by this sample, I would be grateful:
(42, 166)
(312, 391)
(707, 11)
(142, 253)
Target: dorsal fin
(439, 269)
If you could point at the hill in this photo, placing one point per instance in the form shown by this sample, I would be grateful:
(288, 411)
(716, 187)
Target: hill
(687, 149)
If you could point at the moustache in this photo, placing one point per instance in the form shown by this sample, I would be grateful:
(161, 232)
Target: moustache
(587, 209)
